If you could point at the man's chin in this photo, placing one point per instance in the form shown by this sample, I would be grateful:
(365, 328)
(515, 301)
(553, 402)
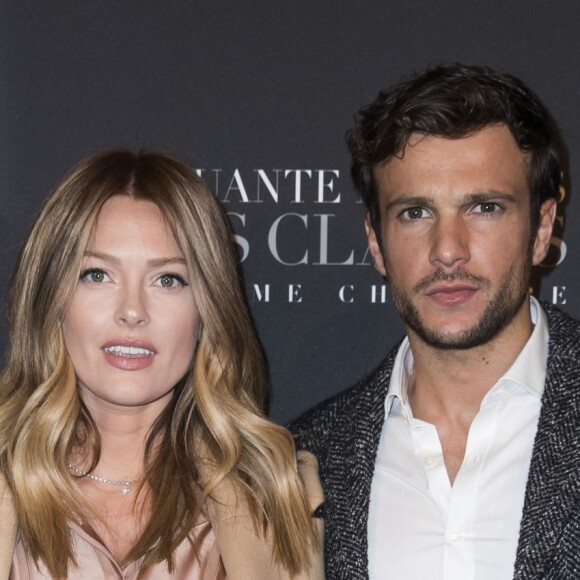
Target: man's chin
(464, 340)
(449, 332)
(458, 337)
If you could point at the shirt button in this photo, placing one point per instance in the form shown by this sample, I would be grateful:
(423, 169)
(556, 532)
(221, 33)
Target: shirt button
(429, 461)
(456, 535)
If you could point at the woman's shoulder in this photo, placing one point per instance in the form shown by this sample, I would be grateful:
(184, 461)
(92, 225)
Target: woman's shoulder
(8, 529)
(247, 554)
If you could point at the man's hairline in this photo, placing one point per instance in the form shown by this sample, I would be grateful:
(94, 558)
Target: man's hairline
(400, 153)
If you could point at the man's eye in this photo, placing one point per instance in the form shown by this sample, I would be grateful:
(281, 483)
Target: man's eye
(94, 276)
(170, 281)
(414, 213)
(486, 207)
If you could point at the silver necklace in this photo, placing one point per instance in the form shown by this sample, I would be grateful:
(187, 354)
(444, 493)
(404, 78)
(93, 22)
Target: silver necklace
(126, 484)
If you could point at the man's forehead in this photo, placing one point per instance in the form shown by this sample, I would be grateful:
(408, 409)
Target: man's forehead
(486, 159)
(416, 138)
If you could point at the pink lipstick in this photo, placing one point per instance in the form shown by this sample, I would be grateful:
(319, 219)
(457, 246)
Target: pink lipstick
(129, 354)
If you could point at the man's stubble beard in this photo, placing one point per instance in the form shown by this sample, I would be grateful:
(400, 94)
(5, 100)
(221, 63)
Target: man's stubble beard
(496, 316)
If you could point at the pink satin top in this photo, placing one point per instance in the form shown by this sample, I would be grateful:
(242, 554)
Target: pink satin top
(95, 561)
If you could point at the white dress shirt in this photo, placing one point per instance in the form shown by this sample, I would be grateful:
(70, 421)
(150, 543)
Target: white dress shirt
(422, 528)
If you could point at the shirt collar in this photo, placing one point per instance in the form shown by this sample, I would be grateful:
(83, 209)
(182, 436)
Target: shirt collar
(528, 370)
(401, 375)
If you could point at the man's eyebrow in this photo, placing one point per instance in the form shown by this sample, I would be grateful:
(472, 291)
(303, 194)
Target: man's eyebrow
(467, 199)
(410, 201)
(488, 196)
(153, 263)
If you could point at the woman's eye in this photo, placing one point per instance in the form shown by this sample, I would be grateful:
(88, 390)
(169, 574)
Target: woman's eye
(170, 281)
(94, 276)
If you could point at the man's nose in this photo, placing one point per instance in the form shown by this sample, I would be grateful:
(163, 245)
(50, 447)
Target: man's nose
(449, 242)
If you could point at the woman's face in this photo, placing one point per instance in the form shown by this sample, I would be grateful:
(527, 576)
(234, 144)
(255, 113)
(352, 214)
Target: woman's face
(132, 325)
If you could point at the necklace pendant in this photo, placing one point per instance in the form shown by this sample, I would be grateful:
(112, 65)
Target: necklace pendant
(125, 489)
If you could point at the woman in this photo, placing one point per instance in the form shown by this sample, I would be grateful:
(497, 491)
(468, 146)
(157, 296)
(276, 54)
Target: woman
(132, 438)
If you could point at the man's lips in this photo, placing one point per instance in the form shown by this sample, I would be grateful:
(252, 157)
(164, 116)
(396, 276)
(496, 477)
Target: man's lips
(451, 294)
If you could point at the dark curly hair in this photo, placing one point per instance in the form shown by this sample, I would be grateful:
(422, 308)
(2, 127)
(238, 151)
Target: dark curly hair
(453, 102)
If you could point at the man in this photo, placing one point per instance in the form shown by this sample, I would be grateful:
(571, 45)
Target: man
(459, 457)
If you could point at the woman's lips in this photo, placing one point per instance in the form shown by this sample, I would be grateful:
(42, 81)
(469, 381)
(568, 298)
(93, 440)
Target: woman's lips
(128, 351)
(128, 354)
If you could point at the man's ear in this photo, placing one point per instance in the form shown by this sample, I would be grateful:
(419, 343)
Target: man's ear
(544, 233)
(375, 247)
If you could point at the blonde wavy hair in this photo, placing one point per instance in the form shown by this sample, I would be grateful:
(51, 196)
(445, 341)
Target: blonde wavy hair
(217, 408)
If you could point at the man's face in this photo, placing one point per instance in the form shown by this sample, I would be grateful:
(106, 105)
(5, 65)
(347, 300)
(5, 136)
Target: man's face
(457, 246)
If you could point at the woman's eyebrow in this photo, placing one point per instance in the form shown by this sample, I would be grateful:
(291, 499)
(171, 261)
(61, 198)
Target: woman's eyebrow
(157, 262)
(102, 256)
(152, 263)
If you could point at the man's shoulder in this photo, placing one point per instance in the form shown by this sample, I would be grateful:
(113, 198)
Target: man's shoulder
(346, 408)
(563, 365)
(562, 327)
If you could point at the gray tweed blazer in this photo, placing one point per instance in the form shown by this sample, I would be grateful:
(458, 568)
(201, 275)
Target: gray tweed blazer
(344, 432)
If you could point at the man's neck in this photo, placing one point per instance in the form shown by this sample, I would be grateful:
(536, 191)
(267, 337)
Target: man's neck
(449, 382)
(447, 386)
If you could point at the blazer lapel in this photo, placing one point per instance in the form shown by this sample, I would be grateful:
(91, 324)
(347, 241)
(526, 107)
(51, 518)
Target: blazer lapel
(553, 487)
(351, 461)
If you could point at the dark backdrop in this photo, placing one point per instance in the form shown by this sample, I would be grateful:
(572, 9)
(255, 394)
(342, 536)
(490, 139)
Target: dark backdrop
(258, 95)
